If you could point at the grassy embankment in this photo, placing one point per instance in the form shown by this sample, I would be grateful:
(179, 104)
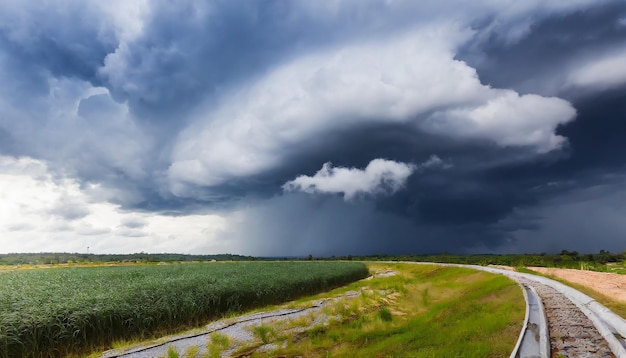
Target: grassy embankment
(58, 312)
(423, 311)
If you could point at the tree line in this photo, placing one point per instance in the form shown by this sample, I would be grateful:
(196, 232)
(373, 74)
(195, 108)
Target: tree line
(564, 259)
(52, 258)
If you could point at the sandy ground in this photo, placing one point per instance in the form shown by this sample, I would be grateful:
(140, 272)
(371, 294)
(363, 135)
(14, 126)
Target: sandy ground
(610, 284)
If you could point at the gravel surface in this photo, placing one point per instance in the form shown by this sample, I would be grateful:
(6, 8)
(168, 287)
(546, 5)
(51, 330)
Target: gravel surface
(572, 334)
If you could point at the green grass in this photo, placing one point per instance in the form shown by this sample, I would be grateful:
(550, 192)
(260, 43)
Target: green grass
(218, 343)
(264, 333)
(58, 312)
(425, 311)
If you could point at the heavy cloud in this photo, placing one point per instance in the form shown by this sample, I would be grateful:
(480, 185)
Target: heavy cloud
(124, 120)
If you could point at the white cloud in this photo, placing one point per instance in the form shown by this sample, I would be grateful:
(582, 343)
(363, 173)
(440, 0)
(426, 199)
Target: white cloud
(22, 166)
(602, 72)
(36, 215)
(380, 176)
(390, 81)
(508, 119)
(402, 79)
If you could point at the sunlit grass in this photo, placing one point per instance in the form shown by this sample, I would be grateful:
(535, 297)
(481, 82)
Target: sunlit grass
(424, 311)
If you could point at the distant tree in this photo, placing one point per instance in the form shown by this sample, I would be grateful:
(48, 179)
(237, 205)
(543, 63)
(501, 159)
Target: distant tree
(310, 257)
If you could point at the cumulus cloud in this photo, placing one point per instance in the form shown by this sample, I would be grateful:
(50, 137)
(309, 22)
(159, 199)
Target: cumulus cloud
(380, 176)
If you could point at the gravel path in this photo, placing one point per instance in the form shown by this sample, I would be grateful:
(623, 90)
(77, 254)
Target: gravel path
(238, 330)
(572, 334)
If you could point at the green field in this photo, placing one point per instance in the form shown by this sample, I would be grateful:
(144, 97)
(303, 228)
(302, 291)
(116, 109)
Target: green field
(61, 311)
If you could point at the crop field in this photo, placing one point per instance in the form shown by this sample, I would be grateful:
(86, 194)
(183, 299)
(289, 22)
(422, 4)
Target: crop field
(57, 312)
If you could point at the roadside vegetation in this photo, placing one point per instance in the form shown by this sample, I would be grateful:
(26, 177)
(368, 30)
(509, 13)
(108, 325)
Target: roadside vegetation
(57, 312)
(424, 311)
(421, 311)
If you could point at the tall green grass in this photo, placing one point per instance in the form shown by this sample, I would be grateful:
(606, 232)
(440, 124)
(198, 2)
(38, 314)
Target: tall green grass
(55, 312)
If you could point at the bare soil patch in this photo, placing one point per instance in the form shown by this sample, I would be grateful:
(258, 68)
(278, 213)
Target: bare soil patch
(610, 284)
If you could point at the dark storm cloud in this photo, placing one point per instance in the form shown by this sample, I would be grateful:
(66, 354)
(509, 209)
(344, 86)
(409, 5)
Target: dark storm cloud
(539, 62)
(490, 200)
(328, 226)
(174, 64)
(213, 107)
(59, 40)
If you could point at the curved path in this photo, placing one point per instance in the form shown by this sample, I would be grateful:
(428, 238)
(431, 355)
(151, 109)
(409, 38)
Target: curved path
(560, 321)
(236, 329)
(578, 326)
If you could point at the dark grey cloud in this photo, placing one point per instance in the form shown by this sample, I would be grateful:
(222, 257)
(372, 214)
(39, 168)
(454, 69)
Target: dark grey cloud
(39, 41)
(523, 104)
(175, 64)
(134, 223)
(69, 210)
(540, 61)
(587, 219)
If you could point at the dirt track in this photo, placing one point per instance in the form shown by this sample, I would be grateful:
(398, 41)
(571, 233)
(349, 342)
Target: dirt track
(609, 284)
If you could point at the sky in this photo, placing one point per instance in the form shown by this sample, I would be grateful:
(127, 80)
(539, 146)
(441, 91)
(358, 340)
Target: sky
(288, 128)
